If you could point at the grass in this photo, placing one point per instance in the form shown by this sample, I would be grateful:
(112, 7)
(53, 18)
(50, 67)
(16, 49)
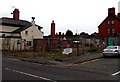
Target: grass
(51, 55)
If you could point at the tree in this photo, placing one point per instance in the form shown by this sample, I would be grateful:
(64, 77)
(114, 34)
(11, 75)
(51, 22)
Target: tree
(83, 33)
(69, 33)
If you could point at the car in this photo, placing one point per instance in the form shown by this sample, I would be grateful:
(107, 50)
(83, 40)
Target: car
(111, 51)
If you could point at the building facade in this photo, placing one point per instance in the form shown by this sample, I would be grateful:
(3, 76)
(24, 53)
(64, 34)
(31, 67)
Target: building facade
(110, 25)
(16, 34)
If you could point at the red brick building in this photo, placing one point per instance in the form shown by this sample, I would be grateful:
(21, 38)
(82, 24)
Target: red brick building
(110, 25)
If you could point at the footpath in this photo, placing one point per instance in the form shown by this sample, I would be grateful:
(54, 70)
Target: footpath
(75, 60)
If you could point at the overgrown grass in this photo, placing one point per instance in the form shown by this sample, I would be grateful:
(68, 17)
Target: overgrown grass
(51, 55)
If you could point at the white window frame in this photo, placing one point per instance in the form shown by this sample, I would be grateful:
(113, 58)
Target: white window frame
(108, 22)
(113, 30)
(112, 21)
(108, 30)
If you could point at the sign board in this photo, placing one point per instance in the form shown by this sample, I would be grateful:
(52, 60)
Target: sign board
(67, 51)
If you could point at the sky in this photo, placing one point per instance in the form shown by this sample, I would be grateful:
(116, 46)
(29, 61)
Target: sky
(75, 15)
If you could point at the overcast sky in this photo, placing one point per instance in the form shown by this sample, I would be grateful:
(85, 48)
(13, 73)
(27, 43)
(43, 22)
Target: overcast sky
(76, 15)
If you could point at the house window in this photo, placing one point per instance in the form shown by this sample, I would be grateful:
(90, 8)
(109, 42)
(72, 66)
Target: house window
(26, 32)
(112, 21)
(29, 43)
(108, 30)
(3, 35)
(113, 30)
(108, 22)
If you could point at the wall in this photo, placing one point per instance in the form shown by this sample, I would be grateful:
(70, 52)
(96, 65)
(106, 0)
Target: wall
(103, 29)
(33, 32)
(48, 44)
(11, 44)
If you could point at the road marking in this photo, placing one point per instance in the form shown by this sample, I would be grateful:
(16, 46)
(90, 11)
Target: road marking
(36, 63)
(13, 59)
(28, 74)
(116, 73)
(70, 65)
(90, 61)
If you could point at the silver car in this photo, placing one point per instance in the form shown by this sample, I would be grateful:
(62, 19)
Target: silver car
(111, 51)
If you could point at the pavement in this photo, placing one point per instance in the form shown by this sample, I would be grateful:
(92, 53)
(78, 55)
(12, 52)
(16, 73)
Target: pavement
(74, 60)
(83, 58)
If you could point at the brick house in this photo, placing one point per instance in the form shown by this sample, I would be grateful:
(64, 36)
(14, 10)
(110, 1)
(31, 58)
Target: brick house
(110, 25)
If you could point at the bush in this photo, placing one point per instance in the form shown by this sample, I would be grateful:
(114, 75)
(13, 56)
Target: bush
(92, 50)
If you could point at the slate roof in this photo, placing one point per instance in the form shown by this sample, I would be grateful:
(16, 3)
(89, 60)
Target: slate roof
(16, 23)
(23, 28)
(13, 22)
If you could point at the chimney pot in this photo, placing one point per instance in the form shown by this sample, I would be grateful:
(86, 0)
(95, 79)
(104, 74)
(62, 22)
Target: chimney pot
(33, 18)
(33, 21)
(59, 33)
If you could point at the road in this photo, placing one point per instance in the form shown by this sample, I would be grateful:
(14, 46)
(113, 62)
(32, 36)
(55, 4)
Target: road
(99, 69)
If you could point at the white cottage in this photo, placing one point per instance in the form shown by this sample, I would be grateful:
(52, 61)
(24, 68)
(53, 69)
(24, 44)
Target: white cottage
(18, 34)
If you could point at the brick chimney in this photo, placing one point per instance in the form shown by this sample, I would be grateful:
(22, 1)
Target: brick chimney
(119, 15)
(53, 30)
(16, 14)
(111, 11)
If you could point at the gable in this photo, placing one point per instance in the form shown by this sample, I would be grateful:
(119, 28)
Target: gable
(31, 28)
(108, 18)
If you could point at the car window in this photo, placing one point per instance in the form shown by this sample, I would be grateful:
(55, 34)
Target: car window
(111, 47)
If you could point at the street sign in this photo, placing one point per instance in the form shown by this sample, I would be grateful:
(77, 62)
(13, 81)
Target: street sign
(67, 51)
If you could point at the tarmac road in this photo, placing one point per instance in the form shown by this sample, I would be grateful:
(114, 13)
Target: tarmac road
(99, 69)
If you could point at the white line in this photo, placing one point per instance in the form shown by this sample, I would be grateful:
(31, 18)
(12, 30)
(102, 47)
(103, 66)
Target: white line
(116, 73)
(13, 59)
(30, 74)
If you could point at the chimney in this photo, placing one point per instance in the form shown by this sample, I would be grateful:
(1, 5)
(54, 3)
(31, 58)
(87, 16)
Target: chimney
(59, 33)
(111, 11)
(119, 15)
(16, 14)
(33, 21)
(53, 30)
(119, 7)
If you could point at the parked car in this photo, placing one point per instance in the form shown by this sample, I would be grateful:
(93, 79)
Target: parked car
(111, 51)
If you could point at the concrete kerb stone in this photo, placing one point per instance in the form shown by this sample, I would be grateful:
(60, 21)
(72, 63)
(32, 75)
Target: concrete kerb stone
(83, 58)
(43, 61)
(68, 61)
